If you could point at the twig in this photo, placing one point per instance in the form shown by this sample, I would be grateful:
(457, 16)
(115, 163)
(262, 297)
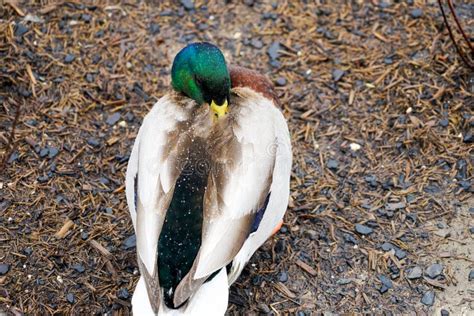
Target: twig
(11, 145)
(451, 35)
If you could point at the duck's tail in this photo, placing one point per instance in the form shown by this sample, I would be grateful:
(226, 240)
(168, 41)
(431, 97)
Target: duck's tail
(210, 300)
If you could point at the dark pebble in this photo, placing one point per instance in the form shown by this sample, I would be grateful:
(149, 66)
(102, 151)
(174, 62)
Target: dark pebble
(281, 81)
(280, 246)
(154, 28)
(84, 235)
(444, 312)
(44, 152)
(388, 60)
(93, 142)
(428, 298)
(86, 17)
(250, 3)
(471, 230)
(13, 157)
(416, 13)
(343, 281)
(471, 275)
(383, 289)
(301, 313)
(386, 246)
(363, 230)
(385, 281)
(273, 50)
(40, 281)
(78, 267)
(69, 58)
(256, 43)
(114, 118)
(53, 152)
(42, 179)
(28, 251)
(130, 242)
(20, 30)
(98, 34)
(400, 254)
(123, 294)
(4, 268)
(264, 308)
(332, 164)
(444, 122)
(70, 298)
(337, 74)
(350, 238)
(468, 137)
(434, 270)
(89, 78)
(283, 276)
(187, 4)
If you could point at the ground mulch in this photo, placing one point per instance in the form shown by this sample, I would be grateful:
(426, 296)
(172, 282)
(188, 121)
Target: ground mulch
(380, 109)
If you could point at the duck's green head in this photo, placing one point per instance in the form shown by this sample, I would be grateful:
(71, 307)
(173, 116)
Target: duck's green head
(200, 72)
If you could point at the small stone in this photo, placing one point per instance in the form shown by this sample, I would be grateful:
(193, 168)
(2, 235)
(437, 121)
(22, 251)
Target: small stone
(343, 281)
(154, 28)
(123, 294)
(471, 230)
(130, 242)
(468, 137)
(385, 281)
(43, 179)
(44, 152)
(444, 122)
(428, 298)
(256, 43)
(53, 152)
(332, 164)
(70, 298)
(114, 118)
(84, 235)
(78, 267)
(20, 30)
(89, 78)
(283, 276)
(187, 4)
(354, 146)
(434, 270)
(280, 246)
(273, 50)
(13, 157)
(444, 312)
(249, 3)
(93, 142)
(363, 230)
(400, 254)
(386, 246)
(69, 58)
(470, 277)
(395, 206)
(416, 13)
(337, 74)
(264, 308)
(383, 289)
(86, 17)
(4, 268)
(350, 238)
(281, 81)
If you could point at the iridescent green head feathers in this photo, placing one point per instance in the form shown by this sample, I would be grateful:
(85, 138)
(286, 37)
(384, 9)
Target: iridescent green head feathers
(200, 72)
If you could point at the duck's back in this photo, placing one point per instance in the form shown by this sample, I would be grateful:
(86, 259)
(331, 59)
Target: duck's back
(205, 195)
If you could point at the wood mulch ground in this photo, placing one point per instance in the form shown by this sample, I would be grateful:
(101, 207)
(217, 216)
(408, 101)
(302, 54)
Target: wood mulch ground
(380, 110)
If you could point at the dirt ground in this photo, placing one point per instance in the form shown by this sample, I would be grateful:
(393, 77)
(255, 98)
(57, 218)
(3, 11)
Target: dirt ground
(380, 108)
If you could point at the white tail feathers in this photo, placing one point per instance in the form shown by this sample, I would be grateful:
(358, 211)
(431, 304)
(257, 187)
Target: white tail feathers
(210, 300)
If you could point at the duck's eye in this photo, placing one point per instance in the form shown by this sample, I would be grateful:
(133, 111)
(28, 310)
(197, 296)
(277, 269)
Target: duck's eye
(198, 81)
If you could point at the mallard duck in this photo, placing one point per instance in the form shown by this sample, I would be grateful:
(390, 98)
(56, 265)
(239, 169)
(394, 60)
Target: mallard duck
(207, 183)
